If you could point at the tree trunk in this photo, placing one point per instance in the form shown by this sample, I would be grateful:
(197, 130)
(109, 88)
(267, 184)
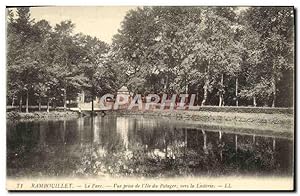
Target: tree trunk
(40, 104)
(65, 99)
(221, 91)
(166, 84)
(186, 89)
(186, 86)
(205, 88)
(274, 85)
(13, 102)
(93, 95)
(27, 102)
(274, 93)
(236, 91)
(48, 105)
(92, 105)
(254, 101)
(20, 105)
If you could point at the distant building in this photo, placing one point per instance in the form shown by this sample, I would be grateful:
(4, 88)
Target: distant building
(82, 103)
(123, 91)
(80, 97)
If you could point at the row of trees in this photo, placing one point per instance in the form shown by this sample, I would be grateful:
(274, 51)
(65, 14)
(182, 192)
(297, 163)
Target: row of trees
(52, 65)
(243, 57)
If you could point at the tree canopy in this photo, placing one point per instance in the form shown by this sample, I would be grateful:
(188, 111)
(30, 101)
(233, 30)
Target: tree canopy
(224, 55)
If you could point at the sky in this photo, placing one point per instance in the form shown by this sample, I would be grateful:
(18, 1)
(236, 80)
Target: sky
(101, 22)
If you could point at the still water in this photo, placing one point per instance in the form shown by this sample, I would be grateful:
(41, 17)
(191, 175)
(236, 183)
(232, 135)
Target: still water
(140, 146)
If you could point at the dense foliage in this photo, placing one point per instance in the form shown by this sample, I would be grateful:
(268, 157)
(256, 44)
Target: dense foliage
(222, 54)
(52, 65)
(225, 55)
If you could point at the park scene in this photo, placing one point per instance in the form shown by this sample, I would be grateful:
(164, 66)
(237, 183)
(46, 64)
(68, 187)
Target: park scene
(173, 92)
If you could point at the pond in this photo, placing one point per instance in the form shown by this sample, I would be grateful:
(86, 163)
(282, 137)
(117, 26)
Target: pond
(142, 147)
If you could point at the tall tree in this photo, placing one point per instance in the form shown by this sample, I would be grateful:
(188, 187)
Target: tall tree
(67, 59)
(273, 50)
(99, 79)
(22, 54)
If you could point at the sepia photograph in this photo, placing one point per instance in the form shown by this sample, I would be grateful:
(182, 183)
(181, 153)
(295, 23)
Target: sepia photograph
(150, 98)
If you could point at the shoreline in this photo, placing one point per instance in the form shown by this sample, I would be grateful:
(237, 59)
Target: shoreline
(196, 116)
(277, 125)
(205, 116)
(41, 115)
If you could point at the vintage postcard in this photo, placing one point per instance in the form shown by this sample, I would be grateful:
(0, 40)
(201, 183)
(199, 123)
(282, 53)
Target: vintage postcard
(150, 98)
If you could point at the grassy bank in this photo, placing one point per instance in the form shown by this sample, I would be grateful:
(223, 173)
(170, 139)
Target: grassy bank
(203, 116)
(206, 116)
(41, 115)
(244, 109)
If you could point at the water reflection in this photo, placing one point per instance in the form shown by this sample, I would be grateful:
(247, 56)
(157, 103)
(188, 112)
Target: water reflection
(122, 130)
(139, 146)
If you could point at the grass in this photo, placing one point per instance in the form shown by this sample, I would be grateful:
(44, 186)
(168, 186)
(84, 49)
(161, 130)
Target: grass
(40, 115)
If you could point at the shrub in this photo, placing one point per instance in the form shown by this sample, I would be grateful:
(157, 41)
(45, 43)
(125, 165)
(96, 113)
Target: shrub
(13, 115)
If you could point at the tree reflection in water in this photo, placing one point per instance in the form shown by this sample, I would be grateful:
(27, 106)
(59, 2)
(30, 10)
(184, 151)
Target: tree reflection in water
(139, 146)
